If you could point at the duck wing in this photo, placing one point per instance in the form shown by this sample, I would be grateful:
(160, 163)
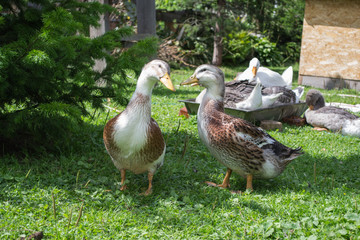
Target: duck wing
(237, 91)
(240, 140)
(250, 133)
(340, 112)
(269, 78)
(288, 96)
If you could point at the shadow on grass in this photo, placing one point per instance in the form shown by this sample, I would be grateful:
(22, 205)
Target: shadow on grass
(89, 175)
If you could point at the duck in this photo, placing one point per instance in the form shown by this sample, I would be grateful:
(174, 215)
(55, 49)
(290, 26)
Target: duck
(237, 93)
(133, 138)
(236, 143)
(330, 118)
(256, 100)
(288, 96)
(265, 76)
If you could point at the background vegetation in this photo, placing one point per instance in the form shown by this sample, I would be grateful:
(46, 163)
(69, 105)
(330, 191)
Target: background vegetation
(270, 30)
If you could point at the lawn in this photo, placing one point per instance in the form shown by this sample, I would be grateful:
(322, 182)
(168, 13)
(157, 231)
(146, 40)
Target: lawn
(76, 195)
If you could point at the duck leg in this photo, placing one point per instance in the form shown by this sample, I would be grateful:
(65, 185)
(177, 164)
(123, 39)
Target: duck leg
(249, 179)
(226, 180)
(123, 176)
(149, 190)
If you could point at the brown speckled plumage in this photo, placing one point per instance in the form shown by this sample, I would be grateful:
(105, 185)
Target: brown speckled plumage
(234, 142)
(109, 137)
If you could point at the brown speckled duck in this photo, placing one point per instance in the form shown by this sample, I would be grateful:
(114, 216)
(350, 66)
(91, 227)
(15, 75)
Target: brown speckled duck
(234, 142)
(133, 139)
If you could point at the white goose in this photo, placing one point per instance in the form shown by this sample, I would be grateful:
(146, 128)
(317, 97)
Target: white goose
(265, 76)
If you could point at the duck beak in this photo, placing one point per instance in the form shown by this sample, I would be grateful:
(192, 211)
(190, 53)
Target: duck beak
(191, 80)
(311, 107)
(254, 70)
(167, 82)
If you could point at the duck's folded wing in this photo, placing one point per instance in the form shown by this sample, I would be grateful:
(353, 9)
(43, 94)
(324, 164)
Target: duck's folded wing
(247, 132)
(340, 112)
(155, 142)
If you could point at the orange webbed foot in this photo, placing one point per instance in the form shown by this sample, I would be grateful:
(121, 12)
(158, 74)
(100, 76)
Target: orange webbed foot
(123, 187)
(149, 190)
(320, 129)
(217, 185)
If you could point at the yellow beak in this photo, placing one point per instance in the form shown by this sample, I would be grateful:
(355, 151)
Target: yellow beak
(311, 107)
(254, 70)
(167, 82)
(191, 80)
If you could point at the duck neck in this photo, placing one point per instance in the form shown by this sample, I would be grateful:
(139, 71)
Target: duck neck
(212, 102)
(145, 84)
(319, 103)
(255, 96)
(141, 98)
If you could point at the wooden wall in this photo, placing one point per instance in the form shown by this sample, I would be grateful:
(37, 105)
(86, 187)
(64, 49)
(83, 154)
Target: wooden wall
(330, 48)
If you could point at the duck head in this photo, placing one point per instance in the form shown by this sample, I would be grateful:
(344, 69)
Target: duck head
(154, 71)
(254, 65)
(314, 99)
(210, 77)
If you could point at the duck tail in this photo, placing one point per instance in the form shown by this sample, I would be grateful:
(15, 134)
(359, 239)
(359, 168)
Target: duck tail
(299, 91)
(291, 155)
(288, 76)
(294, 153)
(352, 128)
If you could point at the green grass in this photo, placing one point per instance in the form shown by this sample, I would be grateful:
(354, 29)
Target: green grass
(317, 196)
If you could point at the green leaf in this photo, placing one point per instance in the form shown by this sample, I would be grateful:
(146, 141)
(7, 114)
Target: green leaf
(352, 216)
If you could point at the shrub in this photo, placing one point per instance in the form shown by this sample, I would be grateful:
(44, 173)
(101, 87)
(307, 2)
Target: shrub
(46, 69)
(242, 46)
(267, 52)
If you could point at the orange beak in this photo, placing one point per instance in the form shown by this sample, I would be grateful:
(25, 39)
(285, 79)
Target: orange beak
(167, 82)
(254, 70)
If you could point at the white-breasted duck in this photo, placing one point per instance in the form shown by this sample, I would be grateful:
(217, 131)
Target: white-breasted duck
(330, 118)
(265, 76)
(133, 138)
(234, 142)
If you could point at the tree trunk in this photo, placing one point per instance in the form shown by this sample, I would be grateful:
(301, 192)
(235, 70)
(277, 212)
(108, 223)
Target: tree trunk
(100, 64)
(218, 48)
(146, 17)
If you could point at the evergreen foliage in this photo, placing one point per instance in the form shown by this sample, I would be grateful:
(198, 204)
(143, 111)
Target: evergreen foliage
(46, 69)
